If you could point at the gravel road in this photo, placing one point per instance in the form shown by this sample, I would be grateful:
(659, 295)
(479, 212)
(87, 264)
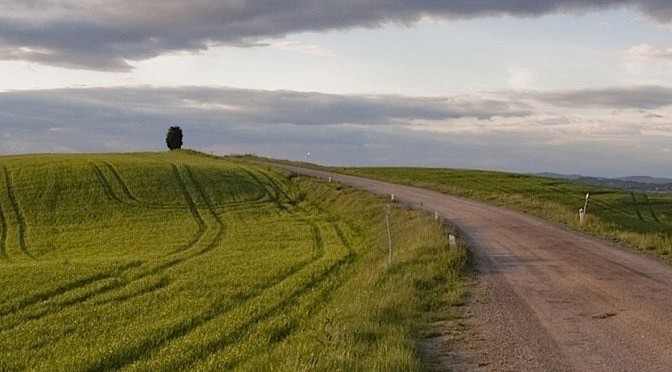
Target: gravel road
(546, 298)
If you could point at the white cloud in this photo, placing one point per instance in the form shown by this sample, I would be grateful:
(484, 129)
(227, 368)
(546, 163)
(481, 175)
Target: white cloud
(521, 78)
(647, 51)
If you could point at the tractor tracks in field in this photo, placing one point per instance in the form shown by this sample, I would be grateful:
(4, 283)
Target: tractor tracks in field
(120, 180)
(127, 281)
(10, 197)
(3, 234)
(122, 193)
(137, 278)
(648, 209)
(314, 297)
(104, 183)
(304, 283)
(219, 328)
(247, 314)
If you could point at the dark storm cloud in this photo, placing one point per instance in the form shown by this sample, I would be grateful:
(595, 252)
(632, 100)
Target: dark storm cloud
(135, 119)
(505, 131)
(240, 106)
(104, 35)
(105, 108)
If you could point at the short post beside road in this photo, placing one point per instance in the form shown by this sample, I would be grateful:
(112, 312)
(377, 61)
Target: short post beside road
(582, 211)
(389, 232)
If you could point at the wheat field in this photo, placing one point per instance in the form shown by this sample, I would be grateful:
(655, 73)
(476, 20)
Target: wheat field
(166, 261)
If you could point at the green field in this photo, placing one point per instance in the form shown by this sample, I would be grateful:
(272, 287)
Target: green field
(640, 220)
(166, 261)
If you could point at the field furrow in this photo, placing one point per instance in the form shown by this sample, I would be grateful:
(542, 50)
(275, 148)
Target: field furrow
(3, 233)
(275, 192)
(162, 336)
(318, 243)
(120, 181)
(20, 219)
(635, 205)
(203, 196)
(650, 208)
(205, 239)
(105, 184)
(611, 207)
(211, 227)
(220, 331)
(42, 304)
(263, 336)
(155, 340)
(189, 200)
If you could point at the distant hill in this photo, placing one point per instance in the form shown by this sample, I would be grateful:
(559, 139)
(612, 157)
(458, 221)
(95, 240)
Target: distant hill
(647, 179)
(634, 183)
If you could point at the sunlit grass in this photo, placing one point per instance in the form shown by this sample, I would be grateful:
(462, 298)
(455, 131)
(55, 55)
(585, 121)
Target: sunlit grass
(184, 261)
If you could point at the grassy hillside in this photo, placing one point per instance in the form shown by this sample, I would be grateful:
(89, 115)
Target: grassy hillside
(641, 220)
(182, 261)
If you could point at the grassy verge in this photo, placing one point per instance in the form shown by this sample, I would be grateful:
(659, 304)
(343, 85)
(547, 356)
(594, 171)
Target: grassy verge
(375, 321)
(642, 221)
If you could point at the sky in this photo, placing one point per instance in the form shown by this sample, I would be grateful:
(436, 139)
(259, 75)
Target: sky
(565, 86)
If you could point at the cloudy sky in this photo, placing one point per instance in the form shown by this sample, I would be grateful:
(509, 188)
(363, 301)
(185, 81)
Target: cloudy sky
(569, 86)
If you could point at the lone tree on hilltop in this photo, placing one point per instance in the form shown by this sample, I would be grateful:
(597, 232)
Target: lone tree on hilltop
(174, 138)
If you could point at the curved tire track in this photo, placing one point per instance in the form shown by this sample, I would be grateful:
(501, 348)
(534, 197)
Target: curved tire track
(3, 234)
(120, 180)
(236, 322)
(145, 351)
(20, 218)
(70, 294)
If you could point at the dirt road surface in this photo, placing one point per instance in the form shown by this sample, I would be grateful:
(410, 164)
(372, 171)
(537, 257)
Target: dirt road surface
(546, 298)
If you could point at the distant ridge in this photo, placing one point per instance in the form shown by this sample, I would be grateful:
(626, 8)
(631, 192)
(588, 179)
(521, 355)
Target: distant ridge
(647, 179)
(634, 183)
(560, 176)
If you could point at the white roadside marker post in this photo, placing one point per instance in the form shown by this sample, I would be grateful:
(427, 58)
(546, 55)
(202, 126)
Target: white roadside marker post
(298, 173)
(452, 242)
(389, 232)
(582, 211)
(585, 205)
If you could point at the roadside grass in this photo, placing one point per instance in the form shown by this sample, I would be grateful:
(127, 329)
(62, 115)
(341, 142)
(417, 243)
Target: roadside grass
(642, 221)
(165, 261)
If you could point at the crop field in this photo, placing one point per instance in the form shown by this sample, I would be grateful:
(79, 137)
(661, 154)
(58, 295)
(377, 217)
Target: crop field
(174, 261)
(640, 220)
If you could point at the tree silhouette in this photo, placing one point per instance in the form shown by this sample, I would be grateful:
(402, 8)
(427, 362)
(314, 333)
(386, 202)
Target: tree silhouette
(174, 138)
